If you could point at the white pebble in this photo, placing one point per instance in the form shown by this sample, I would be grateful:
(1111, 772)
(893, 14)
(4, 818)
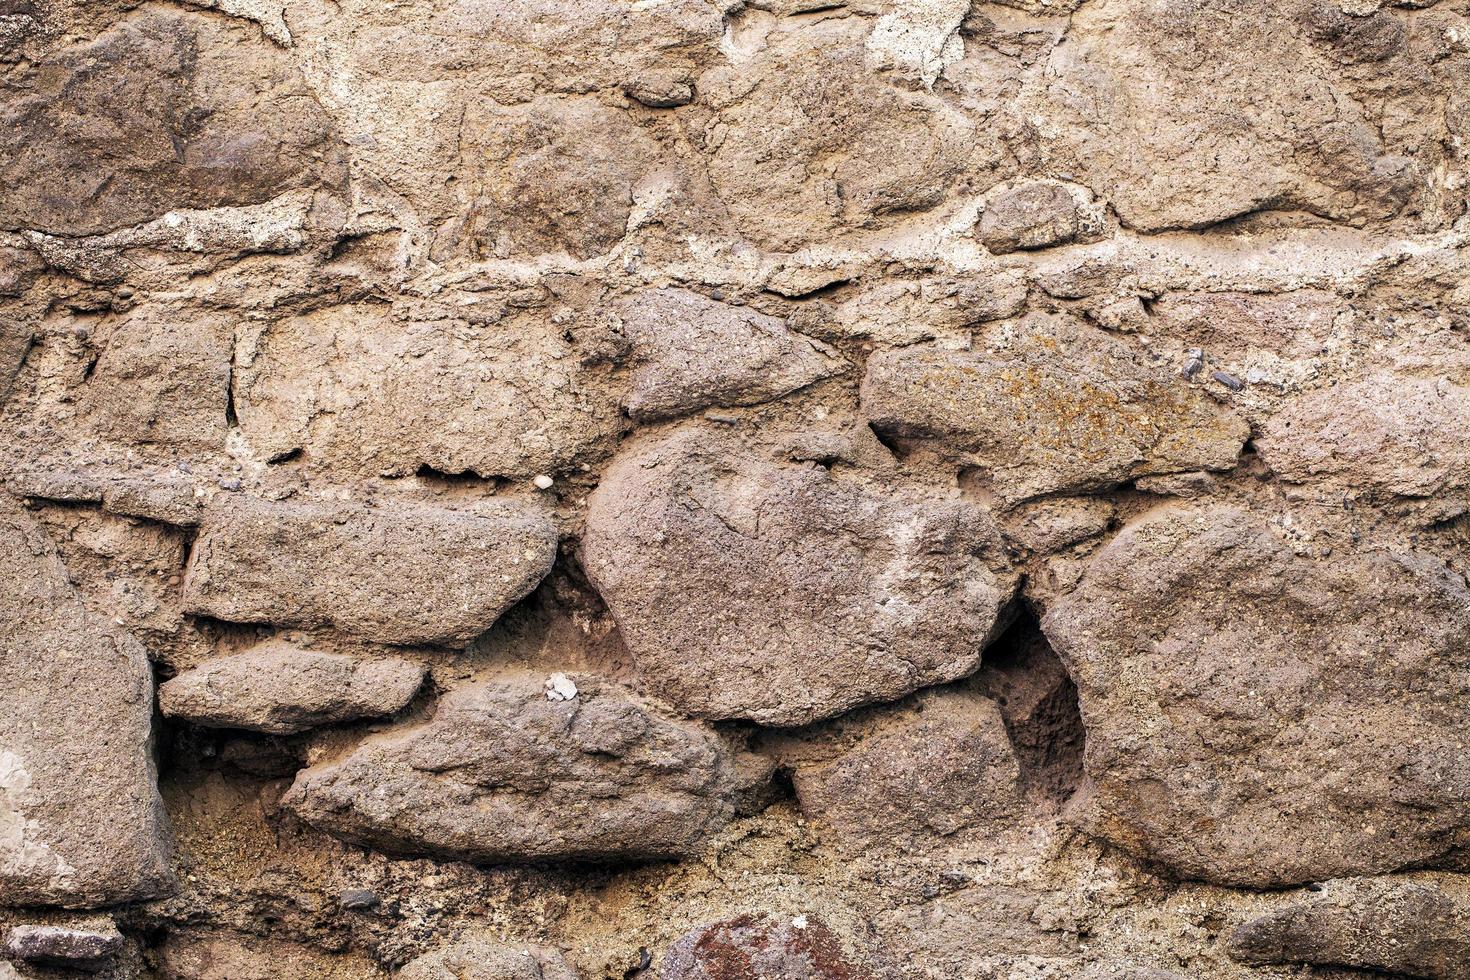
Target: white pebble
(543, 482)
(560, 687)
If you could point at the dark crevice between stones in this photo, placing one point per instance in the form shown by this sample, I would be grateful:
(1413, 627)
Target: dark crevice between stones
(1038, 701)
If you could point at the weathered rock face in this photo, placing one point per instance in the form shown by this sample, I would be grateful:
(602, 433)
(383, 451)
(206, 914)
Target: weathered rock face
(1255, 717)
(694, 353)
(1049, 405)
(482, 959)
(499, 394)
(282, 689)
(160, 110)
(415, 575)
(1246, 105)
(81, 822)
(505, 773)
(1396, 435)
(944, 765)
(1399, 926)
(746, 588)
(748, 947)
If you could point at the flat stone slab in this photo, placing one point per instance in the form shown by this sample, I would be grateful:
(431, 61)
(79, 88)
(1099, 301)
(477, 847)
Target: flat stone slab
(509, 771)
(409, 574)
(282, 689)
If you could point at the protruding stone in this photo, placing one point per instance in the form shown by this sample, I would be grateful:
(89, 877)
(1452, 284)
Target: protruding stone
(1049, 405)
(695, 353)
(282, 689)
(407, 574)
(1400, 926)
(1028, 216)
(503, 774)
(484, 959)
(750, 947)
(747, 588)
(84, 947)
(1259, 718)
(81, 821)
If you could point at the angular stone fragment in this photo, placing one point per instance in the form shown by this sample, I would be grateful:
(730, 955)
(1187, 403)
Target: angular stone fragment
(1047, 405)
(750, 589)
(483, 959)
(1396, 925)
(1034, 215)
(502, 773)
(379, 392)
(1262, 719)
(750, 947)
(281, 689)
(407, 574)
(84, 947)
(1397, 435)
(926, 770)
(81, 822)
(164, 109)
(694, 352)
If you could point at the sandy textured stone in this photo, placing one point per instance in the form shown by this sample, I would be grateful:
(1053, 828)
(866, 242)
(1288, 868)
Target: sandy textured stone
(1393, 434)
(1259, 718)
(162, 109)
(1028, 216)
(280, 688)
(483, 959)
(750, 589)
(502, 773)
(934, 768)
(1196, 111)
(357, 388)
(749, 947)
(81, 822)
(1399, 926)
(693, 353)
(1048, 405)
(412, 574)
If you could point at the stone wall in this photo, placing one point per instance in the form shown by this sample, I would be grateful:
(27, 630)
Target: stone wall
(718, 490)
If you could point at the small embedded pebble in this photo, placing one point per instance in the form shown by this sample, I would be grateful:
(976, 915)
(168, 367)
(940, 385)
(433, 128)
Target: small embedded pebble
(1228, 380)
(232, 484)
(1192, 367)
(543, 482)
(357, 899)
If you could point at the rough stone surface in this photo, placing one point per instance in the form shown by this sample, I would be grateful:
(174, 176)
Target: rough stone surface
(412, 575)
(695, 353)
(945, 765)
(282, 689)
(749, 947)
(1049, 405)
(1256, 717)
(502, 773)
(709, 402)
(81, 822)
(1401, 927)
(1396, 435)
(481, 959)
(798, 594)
